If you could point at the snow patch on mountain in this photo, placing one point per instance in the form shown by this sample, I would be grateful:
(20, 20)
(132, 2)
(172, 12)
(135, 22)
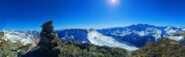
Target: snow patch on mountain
(154, 32)
(15, 36)
(169, 30)
(183, 29)
(98, 39)
(142, 33)
(121, 32)
(176, 38)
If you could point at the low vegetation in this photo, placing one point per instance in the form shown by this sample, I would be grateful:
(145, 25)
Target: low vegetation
(165, 48)
(75, 49)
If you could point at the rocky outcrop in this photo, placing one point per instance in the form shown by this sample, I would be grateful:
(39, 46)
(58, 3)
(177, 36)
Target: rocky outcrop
(49, 45)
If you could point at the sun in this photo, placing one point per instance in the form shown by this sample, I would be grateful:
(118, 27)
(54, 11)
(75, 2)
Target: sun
(113, 1)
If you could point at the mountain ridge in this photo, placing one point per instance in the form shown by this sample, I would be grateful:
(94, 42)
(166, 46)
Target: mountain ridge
(134, 35)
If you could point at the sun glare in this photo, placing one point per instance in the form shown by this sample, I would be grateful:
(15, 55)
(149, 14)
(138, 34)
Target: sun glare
(113, 1)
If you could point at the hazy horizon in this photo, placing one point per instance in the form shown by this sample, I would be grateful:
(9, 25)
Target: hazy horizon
(56, 28)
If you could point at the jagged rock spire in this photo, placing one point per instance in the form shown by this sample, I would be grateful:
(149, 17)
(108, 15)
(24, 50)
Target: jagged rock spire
(49, 40)
(49, 44)
(47, 28)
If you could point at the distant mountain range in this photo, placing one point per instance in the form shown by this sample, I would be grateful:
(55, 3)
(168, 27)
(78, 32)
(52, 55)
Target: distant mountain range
(133, 36)
(130, 37)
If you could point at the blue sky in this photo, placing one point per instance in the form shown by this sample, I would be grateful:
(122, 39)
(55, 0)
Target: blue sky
(30, 14)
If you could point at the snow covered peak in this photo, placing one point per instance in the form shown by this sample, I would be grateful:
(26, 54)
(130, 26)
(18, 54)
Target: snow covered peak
(98, 39)
(15, 36)
(170, 30)
(183, 29)
(176, 38)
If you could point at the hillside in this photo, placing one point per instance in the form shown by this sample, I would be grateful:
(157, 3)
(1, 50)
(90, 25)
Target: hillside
(74, 49)
(165, 48)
